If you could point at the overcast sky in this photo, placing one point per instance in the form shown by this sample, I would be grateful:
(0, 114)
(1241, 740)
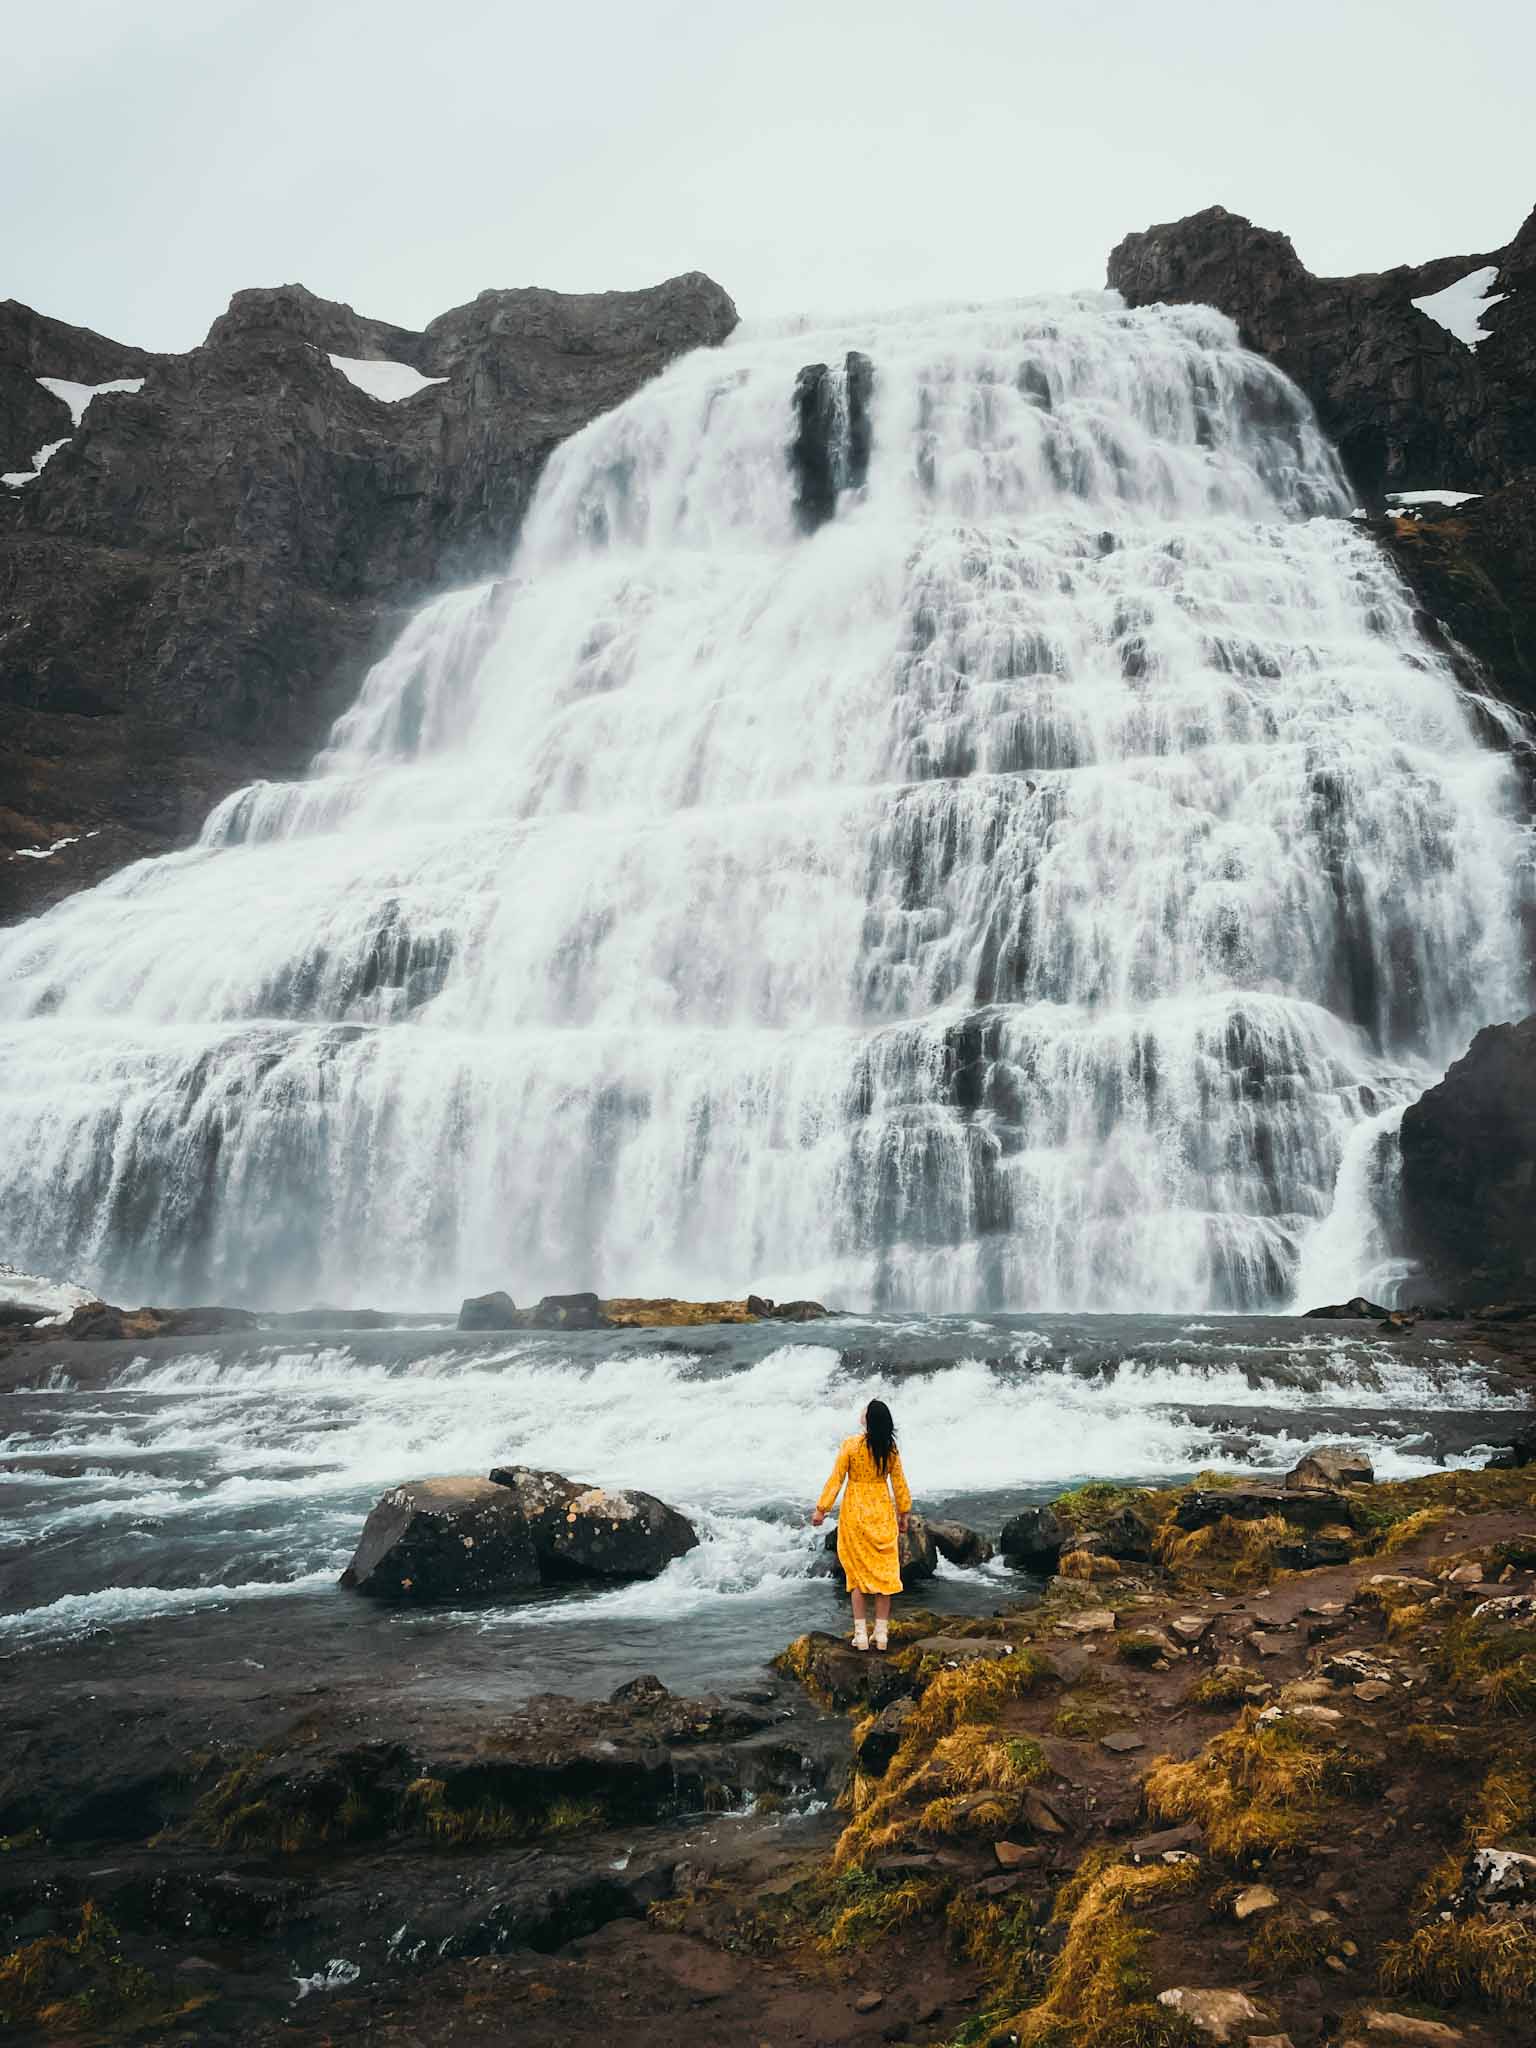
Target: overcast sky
(157, 154)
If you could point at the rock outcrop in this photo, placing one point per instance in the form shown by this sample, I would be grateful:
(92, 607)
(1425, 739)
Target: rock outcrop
(192, 588)
(1411, 406)
(1033, 1540)
(1469, 1171)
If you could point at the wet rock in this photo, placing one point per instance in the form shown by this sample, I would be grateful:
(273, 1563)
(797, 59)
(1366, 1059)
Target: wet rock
(759, 1305)
(565, 1312)
(581, 1531)
(837, 1675)
(1033, 1541)
(1356, 1310)
(882, 1738)
(1468, 1148)
(800, 1312)
(963, 1649)
(1332, 1465)
(645, 1691)
(1125, 1535)
(1518, 1452)
(102, 1321)
(495, 1311)
(1221, 2016)
(959, 1545)
(444, 1539)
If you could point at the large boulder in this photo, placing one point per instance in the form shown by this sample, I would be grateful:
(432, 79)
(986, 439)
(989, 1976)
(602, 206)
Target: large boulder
(1468, 1150)
(583, 1532)
(494, 1311)
(1033, 1540)
(1356, 1310)
(444, 1539)
(564, 1312)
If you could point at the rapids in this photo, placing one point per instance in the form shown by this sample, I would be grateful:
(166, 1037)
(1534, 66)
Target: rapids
(195, 1502)
(1029, 889)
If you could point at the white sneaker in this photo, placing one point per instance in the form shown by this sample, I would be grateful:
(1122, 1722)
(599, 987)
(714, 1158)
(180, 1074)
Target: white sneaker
(882, 1640)
(861, 1635)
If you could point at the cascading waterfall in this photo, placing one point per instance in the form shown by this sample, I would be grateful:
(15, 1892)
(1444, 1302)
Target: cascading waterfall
(1016, 891)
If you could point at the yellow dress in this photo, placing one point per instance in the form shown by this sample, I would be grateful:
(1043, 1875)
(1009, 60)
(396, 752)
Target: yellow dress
(867, 1541)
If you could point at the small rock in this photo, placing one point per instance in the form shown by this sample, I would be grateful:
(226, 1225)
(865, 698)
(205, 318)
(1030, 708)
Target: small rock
(1316, 1717)
(1219, 2014)
(1399, 2027)
(1509, 1608)
(869, 2001)
(1190, 1628)
(1372, 1690)
(1091, 1622)
(1332, 1465)
(959, 1545)
(1266, 1646)
(1042, 1815)
(999, 1886)
(963, 1649)
(1301, 1689)
(1465, 1575)
(1015, 1855)
(1122, 1745)
(1258, 1898)
(1169, 1842)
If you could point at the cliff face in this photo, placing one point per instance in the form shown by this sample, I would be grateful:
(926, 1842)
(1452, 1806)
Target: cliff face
(1411, 406)
(193, 585)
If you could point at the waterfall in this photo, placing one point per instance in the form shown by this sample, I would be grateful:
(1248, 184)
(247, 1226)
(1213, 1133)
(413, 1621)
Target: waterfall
(1000, 859)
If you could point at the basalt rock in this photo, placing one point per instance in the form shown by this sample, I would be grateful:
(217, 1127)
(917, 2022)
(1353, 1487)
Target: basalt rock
(1468, 1149)
(1356, 1310)
(1033, 1540)
(494, 1311)
(444, 1539)
(194, 586)
(103, 1321)
(1312, 1508)
(959, 1545)
(582, 1532)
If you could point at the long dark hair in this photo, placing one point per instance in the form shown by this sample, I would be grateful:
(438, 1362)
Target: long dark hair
(880, 1435)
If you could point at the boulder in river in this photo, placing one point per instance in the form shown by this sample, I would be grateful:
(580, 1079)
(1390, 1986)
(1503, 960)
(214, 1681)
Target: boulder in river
(583, 1532)
(494, 1311)
(444, 1539)
(959, 1544)
(1356, 1310)
(1332, 1465)
(565, 1312)
(1032, 1541)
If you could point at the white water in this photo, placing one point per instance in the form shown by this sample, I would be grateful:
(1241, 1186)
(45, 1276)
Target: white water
(245, 1473)
(1016, 892)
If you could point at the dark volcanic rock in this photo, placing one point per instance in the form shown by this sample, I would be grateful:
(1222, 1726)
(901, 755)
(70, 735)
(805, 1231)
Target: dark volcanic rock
(193, 588)
(564, 1312)
(958, 1544)
(1410, 406)
(444, 1539)
(1356, 1310)
(102, 1321)
(1311, 1508)
(582, 1531)
(495, 1311)
(1469, 1170)
(1032, 1541)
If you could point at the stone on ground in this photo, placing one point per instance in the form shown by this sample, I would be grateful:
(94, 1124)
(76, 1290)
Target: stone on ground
(1332, 1465)
(1221, 2015)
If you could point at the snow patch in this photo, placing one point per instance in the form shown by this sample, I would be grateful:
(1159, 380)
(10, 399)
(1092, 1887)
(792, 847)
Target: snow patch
(78, 396)
(1459, 308)
(1431, 497)
(17, 477)
(389, 382)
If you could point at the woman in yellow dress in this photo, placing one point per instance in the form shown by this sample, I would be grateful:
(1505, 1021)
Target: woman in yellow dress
(871, 1525)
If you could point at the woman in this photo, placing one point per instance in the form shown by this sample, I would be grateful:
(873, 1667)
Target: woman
(870, 1526)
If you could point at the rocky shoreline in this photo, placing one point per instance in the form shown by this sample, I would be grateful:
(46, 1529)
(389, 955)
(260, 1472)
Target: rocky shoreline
(1257, 1763)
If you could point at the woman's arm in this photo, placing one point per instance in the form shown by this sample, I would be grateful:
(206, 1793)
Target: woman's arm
(832, 1489)
(900, 1489)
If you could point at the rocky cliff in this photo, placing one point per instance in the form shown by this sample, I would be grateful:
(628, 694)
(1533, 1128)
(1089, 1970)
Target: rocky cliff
(193, 583)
